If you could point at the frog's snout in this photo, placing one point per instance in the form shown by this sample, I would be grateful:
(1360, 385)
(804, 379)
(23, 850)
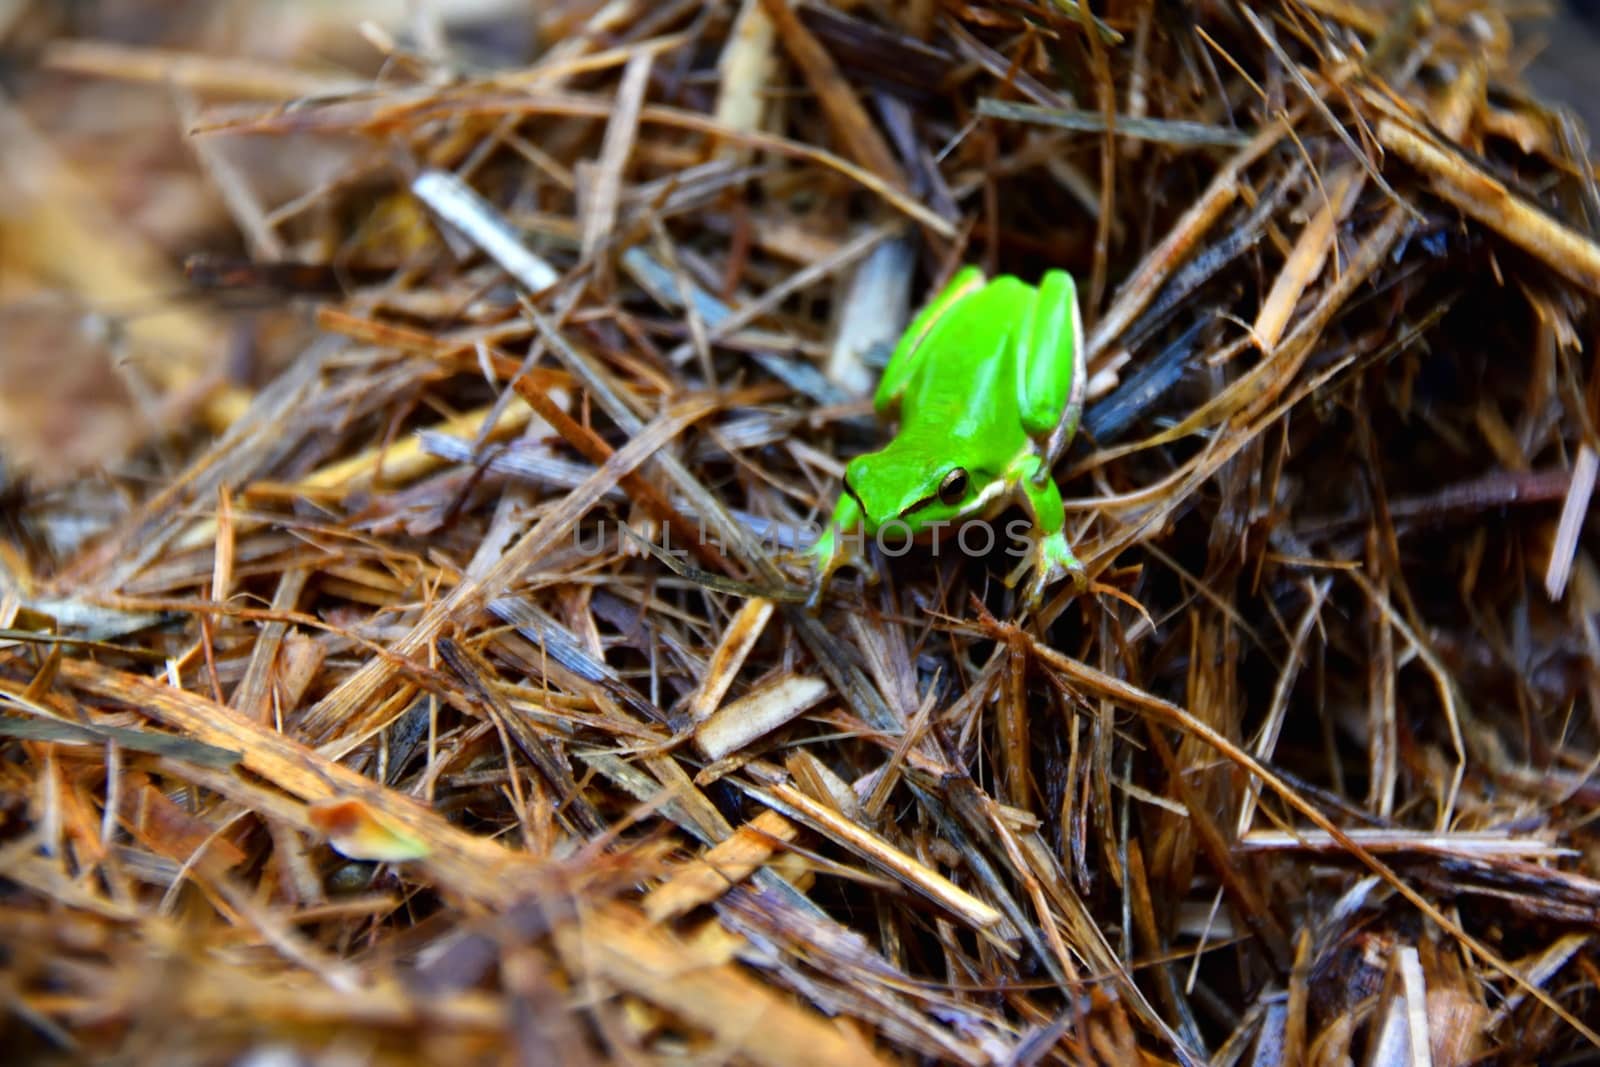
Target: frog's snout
(856, 476)
(884, 482)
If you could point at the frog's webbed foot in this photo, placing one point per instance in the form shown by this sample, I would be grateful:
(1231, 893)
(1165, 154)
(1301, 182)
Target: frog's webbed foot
(824, 556)
(1052, 561)
(829, 554)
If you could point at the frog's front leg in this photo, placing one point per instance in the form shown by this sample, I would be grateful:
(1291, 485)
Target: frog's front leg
(830, 552)
(1052, 556)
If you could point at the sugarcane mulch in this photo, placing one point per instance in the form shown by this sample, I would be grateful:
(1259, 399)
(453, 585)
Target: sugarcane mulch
(403, 641)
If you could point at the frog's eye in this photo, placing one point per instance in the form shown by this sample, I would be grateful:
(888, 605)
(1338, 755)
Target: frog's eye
(954, 487)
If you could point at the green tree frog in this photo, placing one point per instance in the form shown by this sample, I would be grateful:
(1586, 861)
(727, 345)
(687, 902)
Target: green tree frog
(988, 380)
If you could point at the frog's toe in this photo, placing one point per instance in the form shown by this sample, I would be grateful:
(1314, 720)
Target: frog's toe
(1053, 562)
(814, 598)
(795, 564)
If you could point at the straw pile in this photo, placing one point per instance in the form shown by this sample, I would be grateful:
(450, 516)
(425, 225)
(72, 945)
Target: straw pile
(404, 656)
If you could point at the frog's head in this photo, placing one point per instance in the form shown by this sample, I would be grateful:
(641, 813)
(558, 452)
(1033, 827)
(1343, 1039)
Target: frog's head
(917, 482)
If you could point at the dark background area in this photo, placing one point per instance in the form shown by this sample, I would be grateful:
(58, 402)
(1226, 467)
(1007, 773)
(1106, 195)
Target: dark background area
(1568, 68)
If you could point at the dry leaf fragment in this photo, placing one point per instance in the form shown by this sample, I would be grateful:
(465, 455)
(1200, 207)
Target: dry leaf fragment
(359, 833)
(735, 725)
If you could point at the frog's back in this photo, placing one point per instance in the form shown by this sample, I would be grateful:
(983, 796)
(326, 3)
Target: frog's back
(967, 381)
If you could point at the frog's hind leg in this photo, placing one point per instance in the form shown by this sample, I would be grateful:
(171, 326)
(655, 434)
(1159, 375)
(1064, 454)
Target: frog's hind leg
(1050, 358)
(908, 352)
